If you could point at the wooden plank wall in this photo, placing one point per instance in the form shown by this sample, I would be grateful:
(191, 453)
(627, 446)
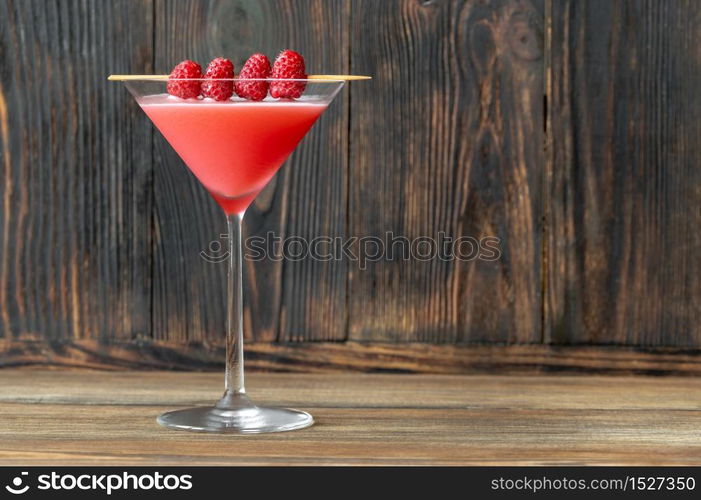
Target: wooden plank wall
(568, 129)
(77, 192)
(460, 86)
(624, 176)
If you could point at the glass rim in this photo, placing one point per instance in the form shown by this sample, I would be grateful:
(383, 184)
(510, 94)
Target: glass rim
(237, 79)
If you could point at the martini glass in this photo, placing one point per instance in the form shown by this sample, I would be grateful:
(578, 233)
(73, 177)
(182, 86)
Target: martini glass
(234, 148)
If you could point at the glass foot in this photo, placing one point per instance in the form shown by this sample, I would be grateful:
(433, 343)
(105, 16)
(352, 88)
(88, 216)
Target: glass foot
(236, 414)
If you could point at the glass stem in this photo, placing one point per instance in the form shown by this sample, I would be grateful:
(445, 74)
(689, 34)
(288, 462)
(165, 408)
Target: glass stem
(234, 305)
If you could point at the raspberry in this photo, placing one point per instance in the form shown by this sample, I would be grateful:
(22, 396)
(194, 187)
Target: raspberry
(185, 89)
(218, 90)
(289, 64)
(257, 66)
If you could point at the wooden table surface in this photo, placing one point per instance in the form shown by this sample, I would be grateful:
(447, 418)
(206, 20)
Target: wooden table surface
(108, 418)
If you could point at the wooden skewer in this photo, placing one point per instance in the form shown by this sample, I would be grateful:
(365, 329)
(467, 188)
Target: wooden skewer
(165, 77)
(338, 77)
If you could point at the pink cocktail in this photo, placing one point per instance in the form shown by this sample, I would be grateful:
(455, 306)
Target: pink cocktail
(232, 147)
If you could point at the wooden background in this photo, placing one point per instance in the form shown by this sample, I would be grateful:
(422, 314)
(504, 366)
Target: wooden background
(569, 129)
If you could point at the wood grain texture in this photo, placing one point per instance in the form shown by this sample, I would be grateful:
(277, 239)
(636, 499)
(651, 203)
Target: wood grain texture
(101, 226)
(284, 300)
(371, 419)
(457, 96)
(76, 171)
(334, 357)
(624, 184)
(352, 390)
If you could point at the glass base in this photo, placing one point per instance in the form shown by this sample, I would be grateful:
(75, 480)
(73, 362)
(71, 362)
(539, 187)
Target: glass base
(236, 414)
